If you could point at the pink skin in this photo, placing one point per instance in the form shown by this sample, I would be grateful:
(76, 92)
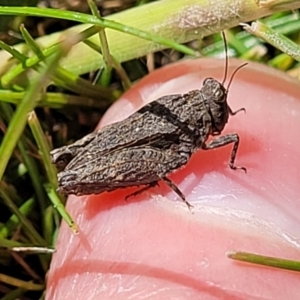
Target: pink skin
(153, 247)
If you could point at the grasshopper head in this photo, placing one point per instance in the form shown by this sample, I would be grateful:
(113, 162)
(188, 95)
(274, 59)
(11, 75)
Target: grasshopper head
(215, 97)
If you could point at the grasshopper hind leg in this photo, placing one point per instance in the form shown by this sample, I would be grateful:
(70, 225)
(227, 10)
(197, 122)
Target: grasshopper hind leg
(142, 190)
(173, 186)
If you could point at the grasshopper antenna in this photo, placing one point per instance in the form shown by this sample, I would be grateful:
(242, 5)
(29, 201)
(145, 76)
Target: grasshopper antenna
(226, 64)
(226, 57)
(233, 74)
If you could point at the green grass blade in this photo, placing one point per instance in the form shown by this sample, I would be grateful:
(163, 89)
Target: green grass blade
(8, 228)
(182, 21)
(44, 148)
(15, 53)
(30, 230)
(265, 260)
(31, 43)
(19, 119)
(53, 100)
(274, 38)
(27, 285)
(14, 294)
(29, 161)
(61, 209)
(88, 19)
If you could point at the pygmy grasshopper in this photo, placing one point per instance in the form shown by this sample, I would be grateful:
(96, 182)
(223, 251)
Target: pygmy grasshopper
(150, 144)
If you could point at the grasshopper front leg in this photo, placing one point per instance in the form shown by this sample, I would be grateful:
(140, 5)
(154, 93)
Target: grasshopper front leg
(223, 141)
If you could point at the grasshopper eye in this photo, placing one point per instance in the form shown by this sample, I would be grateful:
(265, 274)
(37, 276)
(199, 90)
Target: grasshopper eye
(219, 95)
(208, 81)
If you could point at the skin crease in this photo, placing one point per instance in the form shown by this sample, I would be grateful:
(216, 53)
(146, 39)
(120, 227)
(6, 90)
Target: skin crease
(153, 247)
